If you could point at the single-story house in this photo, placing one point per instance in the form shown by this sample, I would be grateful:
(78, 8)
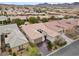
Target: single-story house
(39, 32)
(62, 25)
(2, 18)
(32, 34)
(12, 38)
(54, 25)
(17, 17)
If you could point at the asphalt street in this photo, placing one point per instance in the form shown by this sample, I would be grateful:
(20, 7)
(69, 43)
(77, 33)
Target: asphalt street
(70, 50)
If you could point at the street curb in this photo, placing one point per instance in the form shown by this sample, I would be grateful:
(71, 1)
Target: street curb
(61, 48)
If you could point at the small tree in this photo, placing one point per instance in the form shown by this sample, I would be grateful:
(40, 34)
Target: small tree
(14, 54)
(10, 51)
(52, 18)
(33, 20)
(0, 8)
(38, 18)
(8, 21)
(66, 17)
(54, 47)
(44, 20)
(49, 45)
(5, 13)
(19, 21)
(27, 49)
(0, 22)
(60, 42)
(4, 22)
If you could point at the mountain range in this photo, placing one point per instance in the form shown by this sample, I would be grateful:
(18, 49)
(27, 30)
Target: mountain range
(59, 5)
(64, 5)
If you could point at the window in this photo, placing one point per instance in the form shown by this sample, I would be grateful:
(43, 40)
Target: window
(7, 45)
(21, 48)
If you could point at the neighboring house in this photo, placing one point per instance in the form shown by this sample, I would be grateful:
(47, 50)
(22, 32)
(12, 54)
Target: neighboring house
(32, 34)
(41, 16)
(61, 26)
(48, 31)
(54, 25)
(53, 13)
(9, 12)
(34, 14)
(37, 33)
(12, 38)
(2, 18)
(67, 25)
(76, 28)
(17, 17)
(59, 16)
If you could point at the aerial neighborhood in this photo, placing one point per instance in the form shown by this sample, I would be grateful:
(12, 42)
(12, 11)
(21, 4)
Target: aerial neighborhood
(37, 30)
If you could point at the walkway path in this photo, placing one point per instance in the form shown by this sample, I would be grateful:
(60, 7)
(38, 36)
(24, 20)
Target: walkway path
(69, 40)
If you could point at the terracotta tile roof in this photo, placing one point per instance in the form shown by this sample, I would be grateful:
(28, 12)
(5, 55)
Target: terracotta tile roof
(32, 32)
(51, 28)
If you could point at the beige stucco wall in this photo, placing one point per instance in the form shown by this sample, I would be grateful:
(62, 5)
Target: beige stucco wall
(15, 49)
(39, 40)
(50, 38)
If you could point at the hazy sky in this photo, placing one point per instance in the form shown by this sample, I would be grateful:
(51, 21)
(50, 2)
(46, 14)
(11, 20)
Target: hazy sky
(23, 2)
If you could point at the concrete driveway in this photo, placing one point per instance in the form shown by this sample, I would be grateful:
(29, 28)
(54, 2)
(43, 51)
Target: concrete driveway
(43, 48)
